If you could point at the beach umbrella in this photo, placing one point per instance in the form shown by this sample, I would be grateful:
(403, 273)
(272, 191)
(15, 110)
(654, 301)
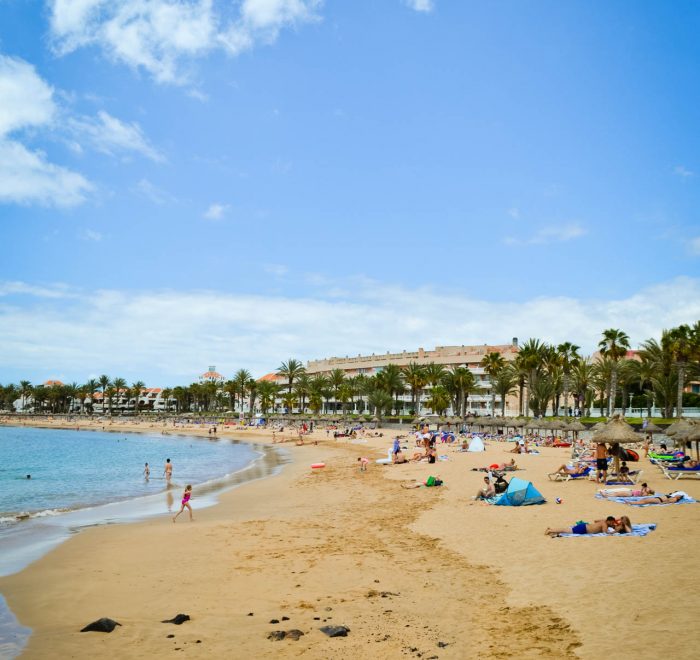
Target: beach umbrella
(678, 425)
(598, 426)
(652, 428)
(691, 434)
(617, 431)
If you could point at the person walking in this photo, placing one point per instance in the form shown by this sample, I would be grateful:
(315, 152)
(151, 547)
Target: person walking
(186, 496)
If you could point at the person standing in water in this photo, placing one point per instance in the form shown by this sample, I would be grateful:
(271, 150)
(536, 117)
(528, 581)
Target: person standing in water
(168, 471)
(185, 503)
(146, 472)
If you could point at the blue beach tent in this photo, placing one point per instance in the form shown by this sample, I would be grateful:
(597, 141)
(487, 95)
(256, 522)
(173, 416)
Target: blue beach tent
(520, 493)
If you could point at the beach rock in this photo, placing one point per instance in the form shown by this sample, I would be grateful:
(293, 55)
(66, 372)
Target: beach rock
(294, 634)
(285, 618)
(101, 625)
(170, 636)
(277, 635)
(335, 631)
(178, 620)
(274, 620)
(250, 614)
(442, 645)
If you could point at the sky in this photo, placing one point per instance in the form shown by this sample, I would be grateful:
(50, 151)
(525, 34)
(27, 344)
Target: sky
(186, 183)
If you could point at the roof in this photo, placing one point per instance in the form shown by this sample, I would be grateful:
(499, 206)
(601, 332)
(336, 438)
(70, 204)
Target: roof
(211, 374)
(51, 383)
(271, 377)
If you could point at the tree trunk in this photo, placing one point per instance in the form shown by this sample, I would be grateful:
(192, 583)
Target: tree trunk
(613, 392)
(679, 400)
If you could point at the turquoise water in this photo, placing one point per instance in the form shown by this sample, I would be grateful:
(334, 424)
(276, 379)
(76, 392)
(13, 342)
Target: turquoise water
(78, 469)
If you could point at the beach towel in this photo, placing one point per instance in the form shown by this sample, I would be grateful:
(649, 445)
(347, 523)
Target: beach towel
(632, 500)
(637, 530)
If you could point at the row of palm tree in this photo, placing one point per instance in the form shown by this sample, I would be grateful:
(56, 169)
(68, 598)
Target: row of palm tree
(544, 377)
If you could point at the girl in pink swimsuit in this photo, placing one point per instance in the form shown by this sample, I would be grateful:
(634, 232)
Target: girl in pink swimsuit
(185, 502)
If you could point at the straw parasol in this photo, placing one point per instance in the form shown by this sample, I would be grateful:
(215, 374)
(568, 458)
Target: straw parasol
(617, 431)
(598, 426)
(518, 423)
(677, 426)
(692, 434)
(651, 428)
(576, 427)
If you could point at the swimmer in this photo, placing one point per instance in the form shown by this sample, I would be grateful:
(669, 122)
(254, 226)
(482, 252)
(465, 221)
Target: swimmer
(146, 472)
(168, 471)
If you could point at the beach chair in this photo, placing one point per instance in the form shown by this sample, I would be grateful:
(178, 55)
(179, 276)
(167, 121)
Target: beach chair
(680, 473)
(634, 476)
(558, 476)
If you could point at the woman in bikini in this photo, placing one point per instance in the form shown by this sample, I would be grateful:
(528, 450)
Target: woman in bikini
(671, 498)
(626, 492)
(185, 502)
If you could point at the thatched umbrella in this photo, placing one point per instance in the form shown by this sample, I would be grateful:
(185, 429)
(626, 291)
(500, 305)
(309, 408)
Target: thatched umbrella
(598, 426)
(533, 424)
(677, 426)
(617, 431)
(558, 425)
(652, 428)
(692, 434)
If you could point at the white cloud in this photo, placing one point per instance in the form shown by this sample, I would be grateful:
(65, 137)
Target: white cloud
(694, 245)
(550, 234)
(216, 211)
(683, 172)
(91, 235)
(28, 177)
(154, 193)
(167, 337)
(111, 136)
(157, 35)
(421, 5)
(26, 99)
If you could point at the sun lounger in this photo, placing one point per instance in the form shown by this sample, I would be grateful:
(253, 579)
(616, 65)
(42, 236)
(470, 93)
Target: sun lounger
(680, 473)
(558, 476)
(634, 476)
(637, 530)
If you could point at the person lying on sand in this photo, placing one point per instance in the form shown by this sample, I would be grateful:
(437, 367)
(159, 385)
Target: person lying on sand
(626, 492)
(399, 457)
(608, 526)
(428, 483)
(671, 498)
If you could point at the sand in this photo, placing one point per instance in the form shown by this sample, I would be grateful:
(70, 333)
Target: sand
(412, 573)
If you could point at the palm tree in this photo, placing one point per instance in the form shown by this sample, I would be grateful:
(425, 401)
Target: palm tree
(614, 345)
(320, 388)
(71, 392)
(267, 392)
(105, 382)
(380, 401)
(252, 389)
(439, 399)
(91, 387)
(568, 357)
(679, 343)
(165, 395)
(582, 376)
(25, 389)
(415, 377)
(290, 370)
(289, 400)
(119, 385)
(504, 385)
(390, 379)
(336, 378)
(136, 389)
(302, 388)
(492, 363)
(530, 359)
(241, 378)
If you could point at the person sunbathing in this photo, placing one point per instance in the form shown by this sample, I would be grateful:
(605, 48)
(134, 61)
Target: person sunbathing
(574, 471)
(399, 457)
(671, 498)
(608, 526)
(688, 464)
(626, 492)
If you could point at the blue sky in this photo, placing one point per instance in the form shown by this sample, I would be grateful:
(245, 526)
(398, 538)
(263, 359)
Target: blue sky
(235, 183)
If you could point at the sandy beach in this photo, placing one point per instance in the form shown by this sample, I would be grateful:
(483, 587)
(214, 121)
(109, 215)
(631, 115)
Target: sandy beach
(412, 573)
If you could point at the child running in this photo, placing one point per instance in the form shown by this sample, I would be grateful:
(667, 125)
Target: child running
(185, 502)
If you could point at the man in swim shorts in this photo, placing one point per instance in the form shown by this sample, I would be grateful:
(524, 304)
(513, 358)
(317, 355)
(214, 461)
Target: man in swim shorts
(168, 471)
(601, 462)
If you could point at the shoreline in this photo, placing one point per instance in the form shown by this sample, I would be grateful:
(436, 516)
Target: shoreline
(404, 570)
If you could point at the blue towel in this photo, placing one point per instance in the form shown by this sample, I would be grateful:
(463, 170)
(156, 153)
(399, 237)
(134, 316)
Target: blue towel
(637, 530)
(632, 500)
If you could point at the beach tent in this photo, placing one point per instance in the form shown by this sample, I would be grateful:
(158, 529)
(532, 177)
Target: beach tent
(520, 493)
(476, 444)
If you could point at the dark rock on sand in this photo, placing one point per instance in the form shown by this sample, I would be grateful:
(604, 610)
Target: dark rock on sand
(101, 625)
(285, 618)
(178, 619)
(294, 634)
(274, 620)
(170, 636)
(442, 645)
(250, 614)
(335, 631)
(277, 635)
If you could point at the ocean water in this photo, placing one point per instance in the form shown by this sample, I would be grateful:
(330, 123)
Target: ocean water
(78, 469)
